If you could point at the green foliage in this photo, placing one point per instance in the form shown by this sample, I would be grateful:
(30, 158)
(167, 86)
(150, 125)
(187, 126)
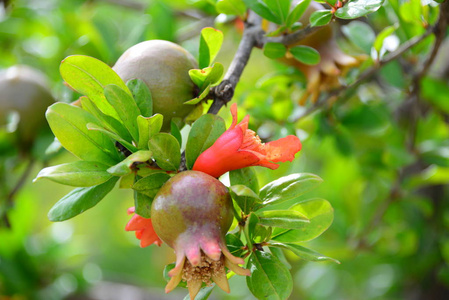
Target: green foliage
(320, 18)
(358, 8)
(305, 54)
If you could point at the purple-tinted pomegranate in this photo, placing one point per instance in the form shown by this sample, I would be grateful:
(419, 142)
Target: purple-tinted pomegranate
(192, 213)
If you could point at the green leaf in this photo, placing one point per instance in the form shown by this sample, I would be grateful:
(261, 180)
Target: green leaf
(246, 176)
(174, 130)
(318, 211)
(235, 245)
(142, 204)
(78, 173)
(166, 151)
(320, 18)
(125, 166)
(205, 131)
(80, 200)
(107, 122)
(250, 228)
(68, 124)
(297, 12)
(210, 44)
(280, 8)
(288, 187)
(245, 197)
(125, 106)
(231, 7)
(305, 54)
(282, 218)
(260, 8)
(360, 34)
(142, 95)
(303, 252)
(198, 99)
(358, 8)
(274, 50)
(151, 184)
(148, 127)
(378, 43)
(129, 146)
(89, 76)
(270, 278)
(207, 76)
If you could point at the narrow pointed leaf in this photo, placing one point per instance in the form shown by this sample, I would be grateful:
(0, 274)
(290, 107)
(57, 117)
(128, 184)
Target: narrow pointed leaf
(78, 173)
(142, 95)
(297, 12)
(125, 106)
(80, 200)
(303, 252)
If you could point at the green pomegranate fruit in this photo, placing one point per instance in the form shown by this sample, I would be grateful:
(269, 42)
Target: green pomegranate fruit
(164, 67)
(24, 90)
(192, 213)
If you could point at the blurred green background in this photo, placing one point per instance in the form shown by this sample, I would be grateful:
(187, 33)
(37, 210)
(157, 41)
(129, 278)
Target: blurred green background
(385, 162)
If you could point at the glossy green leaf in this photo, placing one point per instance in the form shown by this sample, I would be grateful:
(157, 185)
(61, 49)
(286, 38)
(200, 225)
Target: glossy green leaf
(142, 95)
(305, 54)
(105, 121)
(166, 151)
(250, 228)
(80, 200)
(114, 136)
(274, 50)
(290, 219)
(260, 8)
(174, 130)
(210, 43)
(142, 204)
(151, 184)
(244, 197)
(246, 176)
(207, 76)
(68, 124)
(297, 12)
(360, 34)
(358, 8)
(78, 173)
(205, 131)
(125, 106)
(231, 7)
(320, 214)
(270, 279)
(288, 187)
(280, 8)
(89, 76)
(303, 252)
(126, 166)
(235, 245)
(387, 31)
(148, 127)
(320, 18)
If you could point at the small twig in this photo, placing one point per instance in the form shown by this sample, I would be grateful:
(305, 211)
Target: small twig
(292, 38)
(224, 92)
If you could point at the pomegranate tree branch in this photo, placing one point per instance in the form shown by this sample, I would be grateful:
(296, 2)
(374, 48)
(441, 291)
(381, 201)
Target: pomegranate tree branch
(252, 34)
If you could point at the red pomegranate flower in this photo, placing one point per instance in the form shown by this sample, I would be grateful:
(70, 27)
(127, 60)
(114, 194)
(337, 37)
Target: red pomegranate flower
(239, 147)
(143, 228)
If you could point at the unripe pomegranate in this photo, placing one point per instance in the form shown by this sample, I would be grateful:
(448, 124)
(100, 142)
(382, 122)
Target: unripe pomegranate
(192, 213)
(334, 63)
(24, 90)
(164, 67)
